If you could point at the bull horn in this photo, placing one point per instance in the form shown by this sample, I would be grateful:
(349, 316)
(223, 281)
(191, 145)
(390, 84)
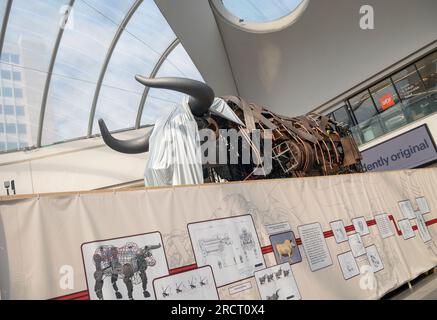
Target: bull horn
(133, 146)
(152, 247)
(201, 95)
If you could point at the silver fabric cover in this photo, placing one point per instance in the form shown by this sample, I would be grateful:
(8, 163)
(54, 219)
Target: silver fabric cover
(175, 154)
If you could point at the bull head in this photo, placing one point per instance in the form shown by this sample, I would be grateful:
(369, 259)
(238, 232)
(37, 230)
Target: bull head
(200, 101)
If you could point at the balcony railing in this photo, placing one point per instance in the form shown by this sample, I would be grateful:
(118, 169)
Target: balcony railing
(394, 118)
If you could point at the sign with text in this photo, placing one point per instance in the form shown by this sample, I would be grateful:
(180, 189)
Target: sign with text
(406, 151)
(387, 101)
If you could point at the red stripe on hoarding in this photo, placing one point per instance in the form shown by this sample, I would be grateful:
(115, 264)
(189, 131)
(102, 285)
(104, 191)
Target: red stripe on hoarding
(267, 249)
(431, 222)
(350, 228)
(182, 269)
(395, 224)
(328, 234)
(371, 222)
(73, 296)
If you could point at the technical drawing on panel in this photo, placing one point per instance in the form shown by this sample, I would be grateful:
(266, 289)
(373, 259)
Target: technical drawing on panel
(230, 246)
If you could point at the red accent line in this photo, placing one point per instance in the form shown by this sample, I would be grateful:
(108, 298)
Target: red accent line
(328, 234)
(72, 296)
(395, 224)
(371, 222)
(431, 222)
(267, 249)
(350, 228)
(86, 297)
(182, 269)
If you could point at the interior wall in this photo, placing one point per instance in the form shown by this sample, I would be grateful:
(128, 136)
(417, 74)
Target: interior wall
(323, 54)
(72, 166)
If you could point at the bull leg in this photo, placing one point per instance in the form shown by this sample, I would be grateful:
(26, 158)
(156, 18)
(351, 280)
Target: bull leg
(129, 286)
(114, 279)
(144, 282)
(98, 277)
(128, 274)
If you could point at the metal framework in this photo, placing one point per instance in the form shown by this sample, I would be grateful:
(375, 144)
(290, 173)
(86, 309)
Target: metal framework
(5, 24)
(121, 28)
(111, 49)
(49, 76)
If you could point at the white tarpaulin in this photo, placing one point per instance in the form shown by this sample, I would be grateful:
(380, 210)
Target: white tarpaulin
(175, 157)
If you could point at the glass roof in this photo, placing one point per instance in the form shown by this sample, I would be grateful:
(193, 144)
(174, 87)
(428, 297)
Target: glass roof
(261, 10)
(59, 75)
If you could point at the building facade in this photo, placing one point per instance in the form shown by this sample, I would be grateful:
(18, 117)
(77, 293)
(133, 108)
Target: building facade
(15, 132)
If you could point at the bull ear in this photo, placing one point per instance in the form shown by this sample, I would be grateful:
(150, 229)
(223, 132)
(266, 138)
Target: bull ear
(133, 146)
(201, 95)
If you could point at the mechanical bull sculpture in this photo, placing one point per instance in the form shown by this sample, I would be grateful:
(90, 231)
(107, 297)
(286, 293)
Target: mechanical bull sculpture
(309, 145)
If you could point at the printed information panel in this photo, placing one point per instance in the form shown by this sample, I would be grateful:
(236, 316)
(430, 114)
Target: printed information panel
(315, 247)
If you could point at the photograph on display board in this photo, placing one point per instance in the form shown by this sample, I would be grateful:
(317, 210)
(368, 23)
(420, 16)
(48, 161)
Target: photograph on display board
(348, 265)
(360, 225)
(406, 229)
(124, 268)
(339, 231)
(423, 206)
(356, 244)
(374, 258)
(384, 225)
(407, 209)
(285, 248)
(277, 283)
(230, 246)
(198, 284)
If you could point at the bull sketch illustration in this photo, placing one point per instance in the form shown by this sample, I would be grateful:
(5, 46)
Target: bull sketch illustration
(125, 262)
